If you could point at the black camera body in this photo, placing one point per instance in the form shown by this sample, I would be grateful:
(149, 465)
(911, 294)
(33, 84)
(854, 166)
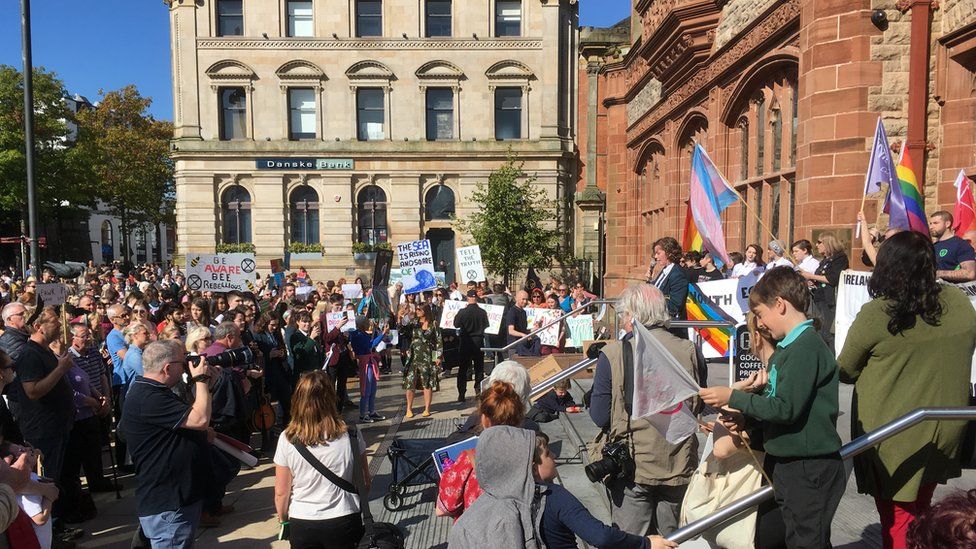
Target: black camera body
(230, 358)
(615, 464)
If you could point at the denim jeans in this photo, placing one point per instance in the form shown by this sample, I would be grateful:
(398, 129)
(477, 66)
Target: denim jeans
(172, 529)
(367, 403)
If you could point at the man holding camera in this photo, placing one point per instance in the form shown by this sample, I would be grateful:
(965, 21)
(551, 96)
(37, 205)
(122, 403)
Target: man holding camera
(169, 443)
(646, 476)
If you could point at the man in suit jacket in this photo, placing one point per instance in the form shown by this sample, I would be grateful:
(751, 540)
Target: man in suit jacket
(471, 322)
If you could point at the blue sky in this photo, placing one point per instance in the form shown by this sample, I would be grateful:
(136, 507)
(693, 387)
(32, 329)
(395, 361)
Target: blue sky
(110, 43)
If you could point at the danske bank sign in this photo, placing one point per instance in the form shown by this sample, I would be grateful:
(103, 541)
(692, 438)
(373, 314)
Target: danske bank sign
(305, 164)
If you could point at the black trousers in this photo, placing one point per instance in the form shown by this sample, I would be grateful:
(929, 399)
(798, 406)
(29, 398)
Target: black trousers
(84, 450)
(340, 375)
(471, 356)
(808, 491)
(338, 533)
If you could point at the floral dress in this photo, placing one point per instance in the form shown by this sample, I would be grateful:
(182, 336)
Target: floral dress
(425, 349)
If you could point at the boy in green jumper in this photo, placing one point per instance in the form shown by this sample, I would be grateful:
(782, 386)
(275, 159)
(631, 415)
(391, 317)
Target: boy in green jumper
(798, 411)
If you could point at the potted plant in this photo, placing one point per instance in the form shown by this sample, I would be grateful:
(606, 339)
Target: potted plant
(364, 251)
(235, 248)
(305, 252)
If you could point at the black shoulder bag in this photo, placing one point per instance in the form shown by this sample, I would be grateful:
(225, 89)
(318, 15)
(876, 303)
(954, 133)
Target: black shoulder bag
(379, 535)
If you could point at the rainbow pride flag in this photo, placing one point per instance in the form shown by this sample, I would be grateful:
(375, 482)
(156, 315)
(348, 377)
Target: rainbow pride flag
(905, 204)
(701, 307)
(692, 239)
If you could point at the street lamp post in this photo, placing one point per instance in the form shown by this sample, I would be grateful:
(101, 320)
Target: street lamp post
(25, 27)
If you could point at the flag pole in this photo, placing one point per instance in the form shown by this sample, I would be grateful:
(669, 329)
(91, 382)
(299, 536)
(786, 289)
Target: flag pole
(763, 225)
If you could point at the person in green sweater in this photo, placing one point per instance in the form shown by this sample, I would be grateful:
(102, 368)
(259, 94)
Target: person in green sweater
(798, 411)
(909, 348)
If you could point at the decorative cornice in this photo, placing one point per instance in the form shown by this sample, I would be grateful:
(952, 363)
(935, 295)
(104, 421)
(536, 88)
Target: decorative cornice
(509, 70)
(777, 22)
(209, 43)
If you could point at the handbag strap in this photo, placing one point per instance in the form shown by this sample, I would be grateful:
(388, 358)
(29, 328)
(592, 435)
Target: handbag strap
(360, 480)
(325, 471)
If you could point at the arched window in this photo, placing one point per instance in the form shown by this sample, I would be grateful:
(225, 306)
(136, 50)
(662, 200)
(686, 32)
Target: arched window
(439, 203)
(236, 205)
(108, 237)
(371, 209)
(304, 210)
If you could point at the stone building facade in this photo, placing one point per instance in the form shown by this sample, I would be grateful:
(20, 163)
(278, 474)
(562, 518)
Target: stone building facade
(784, 95)
(366, 121)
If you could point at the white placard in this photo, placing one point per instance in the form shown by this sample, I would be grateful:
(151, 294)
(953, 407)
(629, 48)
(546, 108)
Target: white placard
(496, 314)
(352, 291)
(220, 272)
(332, 320)
(580, 329)
(549, 336)
(416, 266)
(52, 294)
(469, 267)
(732, 296)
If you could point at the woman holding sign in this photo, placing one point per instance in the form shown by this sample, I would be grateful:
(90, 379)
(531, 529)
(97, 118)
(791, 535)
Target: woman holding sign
(909, 348)
(421, 372)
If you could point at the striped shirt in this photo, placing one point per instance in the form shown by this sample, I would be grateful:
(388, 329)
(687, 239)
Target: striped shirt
(93, 364)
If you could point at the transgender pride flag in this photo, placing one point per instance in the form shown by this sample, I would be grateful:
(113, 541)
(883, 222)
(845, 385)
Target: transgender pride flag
(710, 195)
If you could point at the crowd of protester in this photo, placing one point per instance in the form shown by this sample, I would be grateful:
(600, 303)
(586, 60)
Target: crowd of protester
(137, 361)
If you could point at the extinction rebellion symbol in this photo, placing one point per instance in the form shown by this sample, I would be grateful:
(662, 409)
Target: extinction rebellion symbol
(194, 282)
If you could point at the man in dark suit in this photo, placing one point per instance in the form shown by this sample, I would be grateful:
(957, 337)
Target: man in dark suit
(471, 322)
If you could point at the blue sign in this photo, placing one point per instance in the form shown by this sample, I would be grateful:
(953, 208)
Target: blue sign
(305, 164)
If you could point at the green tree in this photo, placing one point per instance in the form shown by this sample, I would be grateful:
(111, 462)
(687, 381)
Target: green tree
(128, 151)
(61, 179)
(513, 224)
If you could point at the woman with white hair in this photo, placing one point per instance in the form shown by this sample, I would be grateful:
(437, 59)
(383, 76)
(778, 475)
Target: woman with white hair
(648, 503)
(512, 373)
(777, 255)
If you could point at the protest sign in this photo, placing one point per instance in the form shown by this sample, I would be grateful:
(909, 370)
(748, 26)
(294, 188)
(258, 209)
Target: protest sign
(580, 329)
(302, 292)
(52, 294)
(732, 297)
(451, 309)
(332, 321)
(277, 266)
(446, 457)
(744, 362)
(352, 291)
(220, 272)
(441, 278)
(536, 318)
(470, 267)
(416, 266)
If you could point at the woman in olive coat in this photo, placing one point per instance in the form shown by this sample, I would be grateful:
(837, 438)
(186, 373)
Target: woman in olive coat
(910, 347)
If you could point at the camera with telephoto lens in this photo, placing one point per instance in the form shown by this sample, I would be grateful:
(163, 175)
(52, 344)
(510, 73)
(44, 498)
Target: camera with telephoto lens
(616, 463)
(228, 359)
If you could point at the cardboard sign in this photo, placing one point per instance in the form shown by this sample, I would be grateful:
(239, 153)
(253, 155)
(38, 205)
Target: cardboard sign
(52, 294)
(352, 291)
(549, 336)
(277, 266)
(332, 320)
(220, 272)
(452, 308)
(416, 266)
(744, 362)
(580, 329)
(470, 267)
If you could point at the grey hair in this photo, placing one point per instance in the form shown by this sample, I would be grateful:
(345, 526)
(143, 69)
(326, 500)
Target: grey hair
(516, 375)
(777, 248)
(644, 303)
(196, 334)
(225, 329)
(158, 353)
(114, 310)
(133, 329)
(11, 309)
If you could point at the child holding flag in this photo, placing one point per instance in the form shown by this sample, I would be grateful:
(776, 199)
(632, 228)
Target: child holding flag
(799, 415)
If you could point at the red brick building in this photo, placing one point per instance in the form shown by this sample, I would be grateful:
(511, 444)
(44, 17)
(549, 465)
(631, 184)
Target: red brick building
(784, 95)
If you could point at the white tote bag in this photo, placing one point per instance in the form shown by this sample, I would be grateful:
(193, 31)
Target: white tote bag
(714, 485)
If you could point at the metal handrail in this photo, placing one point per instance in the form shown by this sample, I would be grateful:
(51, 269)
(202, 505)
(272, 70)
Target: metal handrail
(857, 446)
(577, 310)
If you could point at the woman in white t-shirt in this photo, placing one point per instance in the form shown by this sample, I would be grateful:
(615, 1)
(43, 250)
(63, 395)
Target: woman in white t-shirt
(752, 255)
(319, 513)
